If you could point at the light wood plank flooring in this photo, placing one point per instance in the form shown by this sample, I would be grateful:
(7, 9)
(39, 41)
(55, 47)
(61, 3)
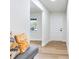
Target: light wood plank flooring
(53, 50)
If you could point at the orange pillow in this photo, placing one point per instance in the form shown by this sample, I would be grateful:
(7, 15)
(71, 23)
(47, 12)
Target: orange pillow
(13, 44)
(22, 41)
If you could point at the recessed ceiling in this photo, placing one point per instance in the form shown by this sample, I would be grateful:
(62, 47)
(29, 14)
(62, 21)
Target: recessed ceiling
(55, 5)
(34, 8)
(52, 6)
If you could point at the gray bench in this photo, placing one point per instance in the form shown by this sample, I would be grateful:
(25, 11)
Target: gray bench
(29, 54)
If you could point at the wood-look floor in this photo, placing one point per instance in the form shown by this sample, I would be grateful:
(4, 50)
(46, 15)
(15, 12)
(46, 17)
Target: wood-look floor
(53, 50)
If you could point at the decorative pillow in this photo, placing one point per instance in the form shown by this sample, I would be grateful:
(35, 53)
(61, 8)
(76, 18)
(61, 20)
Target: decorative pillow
(13, 45)
(22, 41)
(12, 39)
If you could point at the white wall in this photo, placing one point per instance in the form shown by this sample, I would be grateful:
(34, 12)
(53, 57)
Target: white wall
(73, 20)
(20, 15)
(57, 21)
(37, 35)
(45, 27)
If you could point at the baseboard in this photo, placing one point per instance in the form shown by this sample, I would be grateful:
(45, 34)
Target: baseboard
(57, 39)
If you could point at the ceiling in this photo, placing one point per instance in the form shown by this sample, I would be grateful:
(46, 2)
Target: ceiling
(56, 6)
(34, 8)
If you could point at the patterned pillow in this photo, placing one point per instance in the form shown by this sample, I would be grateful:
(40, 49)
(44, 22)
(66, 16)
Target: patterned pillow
(22, 41)
(13, 45)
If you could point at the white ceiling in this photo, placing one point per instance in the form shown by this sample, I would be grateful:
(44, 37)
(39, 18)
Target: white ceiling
(34, 8)
(56, 6)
